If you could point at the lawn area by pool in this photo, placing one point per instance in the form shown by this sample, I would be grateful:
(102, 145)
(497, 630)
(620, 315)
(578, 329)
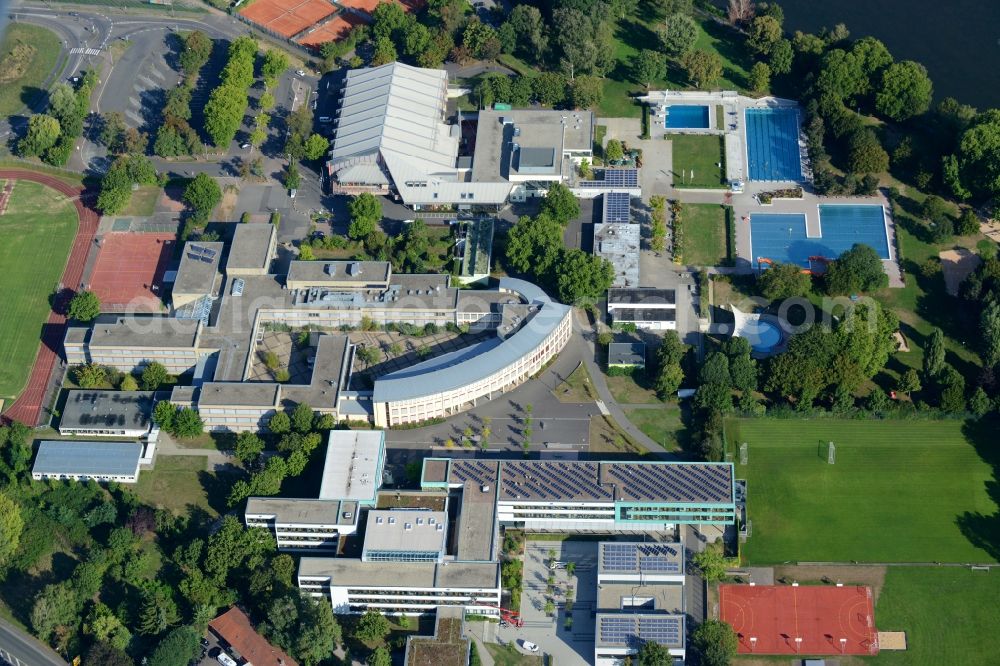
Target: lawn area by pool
(704, 239)
(782, 237)
(772, 137)
(899, 491)
(697, 159)
(686, 116)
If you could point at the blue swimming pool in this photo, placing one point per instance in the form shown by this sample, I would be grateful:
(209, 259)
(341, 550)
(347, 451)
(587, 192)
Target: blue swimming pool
(773, 144)
(686, 116)
(763, 336)
(782, 237)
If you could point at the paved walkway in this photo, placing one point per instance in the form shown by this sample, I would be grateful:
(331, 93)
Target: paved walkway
(166, 446)
(28, 406)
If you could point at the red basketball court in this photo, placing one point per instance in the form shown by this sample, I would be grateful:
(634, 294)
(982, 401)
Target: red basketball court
(804, 619)
(128, 268)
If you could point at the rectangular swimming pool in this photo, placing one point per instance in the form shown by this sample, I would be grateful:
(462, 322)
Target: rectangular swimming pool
(782, 237)
(686, 116)
(772, 137)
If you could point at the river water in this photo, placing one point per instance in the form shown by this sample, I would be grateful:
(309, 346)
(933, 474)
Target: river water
(957, 40)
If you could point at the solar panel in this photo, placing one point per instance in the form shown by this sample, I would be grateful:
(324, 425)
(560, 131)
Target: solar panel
(616, 206)
(621, 177)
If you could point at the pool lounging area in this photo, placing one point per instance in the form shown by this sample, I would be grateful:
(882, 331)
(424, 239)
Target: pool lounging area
(772, 144)
(686, 116)
(783, 237)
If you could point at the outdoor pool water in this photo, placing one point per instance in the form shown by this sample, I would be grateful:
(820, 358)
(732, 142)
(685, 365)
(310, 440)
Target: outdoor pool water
(782, 237)
(763, 336)
(773, 144)
(686, 116)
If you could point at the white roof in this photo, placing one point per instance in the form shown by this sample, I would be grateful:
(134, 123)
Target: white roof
(353, 467)
(397, 110)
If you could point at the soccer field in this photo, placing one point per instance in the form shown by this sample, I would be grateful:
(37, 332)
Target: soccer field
(36, 234)
(898, 492)
(948, 614)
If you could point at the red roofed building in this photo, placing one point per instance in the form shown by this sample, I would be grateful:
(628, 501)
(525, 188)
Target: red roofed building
(233, 629)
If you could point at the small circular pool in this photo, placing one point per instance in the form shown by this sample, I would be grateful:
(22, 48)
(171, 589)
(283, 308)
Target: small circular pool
(763, 336)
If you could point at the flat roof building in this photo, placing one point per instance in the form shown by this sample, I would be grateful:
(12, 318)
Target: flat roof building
(252, 249)
(405, 536)
(645, 307)
(107, 413)
(618, 241)
(354, 464)
(84, 461)
(197, 272)
(627, 355)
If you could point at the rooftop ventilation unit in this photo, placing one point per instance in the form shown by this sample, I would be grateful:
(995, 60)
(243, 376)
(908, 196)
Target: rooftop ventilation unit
(354, 268)
(330, 269)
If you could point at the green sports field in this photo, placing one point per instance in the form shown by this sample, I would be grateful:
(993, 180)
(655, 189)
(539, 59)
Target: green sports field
(948, 613)
(36, 234)
(900, 491)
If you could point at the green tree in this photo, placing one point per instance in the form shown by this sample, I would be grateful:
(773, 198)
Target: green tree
(197, 51)
(128, 383)
(586, 91)
(760, 77)
(11, 527)
(934, 353)
(43, 132)
(678, 34)
(372, 628)
(274, 65)
(280, 423)
(164, 413)
(715, 370)
(203, 194)
(84, 306)
(249, 447)
(560, 204)
(765, 31)
(906, 91)
(366, 213)
(380, 657)
(856, 270)
(533, 244)
(782, 281)
(711, 563)
(153, 376)
(877, 401)
(613, 151)
(716, 643)
(909, 382)
(652, 653)
(107, 655)
(178, 648)
(842, 75)
(90, 375)
(316, 146)
(649, 66)
(782, 57)
(583, 277)
(302, 418)
(703, 68)
(187, 423)
(549, 87)
(866, 154)
(968, 223)
(292, 177)
(989, 333)
(977, 160)
(55, 607)
(979, 403)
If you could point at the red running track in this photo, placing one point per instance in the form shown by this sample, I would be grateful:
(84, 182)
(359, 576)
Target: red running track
(28, 406)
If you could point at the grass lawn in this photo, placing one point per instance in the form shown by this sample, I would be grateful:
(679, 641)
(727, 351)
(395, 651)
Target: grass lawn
(509, 656)
(704, 239)
(696, 160)
(36, 234)
(629, 390)
(176, 483)
(661, 424)
(606, 436)
(143, 201)
(576, 388)
(944, 611)
(900, 491)
(28, 54)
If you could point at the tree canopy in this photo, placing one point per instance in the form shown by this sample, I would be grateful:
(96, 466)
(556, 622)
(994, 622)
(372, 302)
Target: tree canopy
(856, 270)
(715, 641)
(84, 306)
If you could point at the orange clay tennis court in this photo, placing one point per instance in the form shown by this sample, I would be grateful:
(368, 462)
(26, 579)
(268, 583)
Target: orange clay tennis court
(288, 17)
(128, 268)
(331, 31)
(826, 620)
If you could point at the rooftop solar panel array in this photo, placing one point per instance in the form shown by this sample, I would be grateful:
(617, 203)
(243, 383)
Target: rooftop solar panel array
(681, 483)
(636, 557)
(633, 630)
(625, 178)
(616, 207)
(546, 480)
(200, 253)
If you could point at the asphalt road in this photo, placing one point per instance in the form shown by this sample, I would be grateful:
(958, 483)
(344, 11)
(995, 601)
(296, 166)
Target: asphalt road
(20, 649)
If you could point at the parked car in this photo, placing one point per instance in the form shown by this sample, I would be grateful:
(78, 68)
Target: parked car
(226, 660)
(292, 193)
(528, 646)
(300, 72)
(244, 146)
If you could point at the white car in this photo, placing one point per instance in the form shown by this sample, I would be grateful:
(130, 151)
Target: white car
(528, 646)
(225, 659)
(300, 72)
